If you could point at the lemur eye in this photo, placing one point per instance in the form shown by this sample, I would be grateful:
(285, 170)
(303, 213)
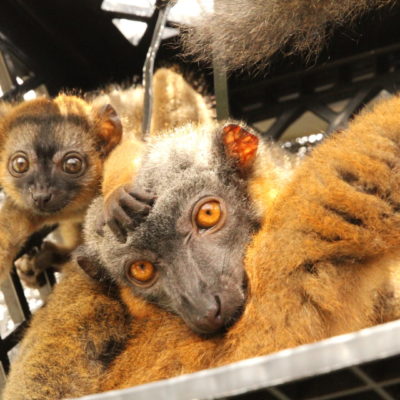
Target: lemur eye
(142, 272)
(19, 163)
(72, 164)
(208, 213)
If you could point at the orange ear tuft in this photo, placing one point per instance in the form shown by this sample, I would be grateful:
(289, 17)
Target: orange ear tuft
(109, 129)
(240, 145)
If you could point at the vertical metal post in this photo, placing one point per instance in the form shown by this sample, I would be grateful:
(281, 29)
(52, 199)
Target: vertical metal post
(5, 79)
(221, 91)
(162, 9)
(220, 85)
(3, 378)
(15, 298)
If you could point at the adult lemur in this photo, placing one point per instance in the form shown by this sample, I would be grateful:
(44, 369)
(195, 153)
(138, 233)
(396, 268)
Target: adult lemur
(322, 245)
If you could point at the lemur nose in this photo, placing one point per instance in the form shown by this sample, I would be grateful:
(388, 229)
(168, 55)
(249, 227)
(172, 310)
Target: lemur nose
(212, 321)
(41, 199)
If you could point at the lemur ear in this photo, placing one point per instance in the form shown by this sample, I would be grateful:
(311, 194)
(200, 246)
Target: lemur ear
(240, 145)
(92, 267)
(109, 129)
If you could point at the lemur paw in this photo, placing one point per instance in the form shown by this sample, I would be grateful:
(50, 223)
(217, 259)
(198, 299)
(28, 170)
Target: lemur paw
(125, 209)
(30, 266)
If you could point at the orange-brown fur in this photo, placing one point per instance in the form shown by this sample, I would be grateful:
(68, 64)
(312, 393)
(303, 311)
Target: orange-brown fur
(17, 221)
(323, 263)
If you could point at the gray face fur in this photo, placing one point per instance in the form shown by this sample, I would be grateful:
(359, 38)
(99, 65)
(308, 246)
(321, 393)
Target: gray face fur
(200, 273)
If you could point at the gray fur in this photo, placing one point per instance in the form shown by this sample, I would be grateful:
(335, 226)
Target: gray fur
(243, 33)
(181, 169)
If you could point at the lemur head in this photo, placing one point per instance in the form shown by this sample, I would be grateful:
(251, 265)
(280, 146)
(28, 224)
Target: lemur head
(52, 151)
(187, 255)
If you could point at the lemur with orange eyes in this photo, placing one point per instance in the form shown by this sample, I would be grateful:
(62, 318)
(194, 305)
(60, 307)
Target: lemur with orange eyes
(51, 163)
(229, 255)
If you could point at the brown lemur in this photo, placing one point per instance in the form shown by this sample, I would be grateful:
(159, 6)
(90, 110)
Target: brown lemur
(51, 162)
(310, 255)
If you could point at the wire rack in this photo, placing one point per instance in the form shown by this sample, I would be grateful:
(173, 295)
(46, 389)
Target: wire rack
(362, 365)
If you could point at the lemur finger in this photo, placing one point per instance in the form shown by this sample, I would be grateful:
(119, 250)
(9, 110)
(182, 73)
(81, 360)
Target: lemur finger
(143, 196)
(131, 204)
(120, 215)
(117, 230)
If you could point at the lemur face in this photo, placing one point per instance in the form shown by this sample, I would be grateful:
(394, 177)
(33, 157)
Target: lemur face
(187, 254)
(52, 158)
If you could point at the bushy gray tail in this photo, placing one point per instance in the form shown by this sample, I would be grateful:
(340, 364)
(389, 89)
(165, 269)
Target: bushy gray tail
(243, 33)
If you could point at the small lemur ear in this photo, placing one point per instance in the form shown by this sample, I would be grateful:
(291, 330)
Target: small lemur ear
(240, 145)
(109, 129)
(93, 268)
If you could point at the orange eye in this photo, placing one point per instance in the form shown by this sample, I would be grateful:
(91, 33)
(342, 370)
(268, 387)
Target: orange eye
(19, 164)
(72, 165)
(208, 215)
(142, 272)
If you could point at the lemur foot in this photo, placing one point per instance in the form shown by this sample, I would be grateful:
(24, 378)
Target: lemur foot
(125, 209)
(30, 266)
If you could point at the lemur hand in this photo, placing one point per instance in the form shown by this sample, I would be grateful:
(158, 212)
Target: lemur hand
(125, 209)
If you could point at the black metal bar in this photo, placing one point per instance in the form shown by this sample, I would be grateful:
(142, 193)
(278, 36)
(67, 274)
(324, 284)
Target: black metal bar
(8, 47)
(338, 92)
(326, 66)
(20, 293)
(11, 340)
(134, 17)
(323, 111)
(355, 104)
(18, 91)
(161, 11)
(283, 122)
(5, 361)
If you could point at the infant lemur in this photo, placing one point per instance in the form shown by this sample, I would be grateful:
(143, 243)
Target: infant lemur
(51, 163)
(281, 258)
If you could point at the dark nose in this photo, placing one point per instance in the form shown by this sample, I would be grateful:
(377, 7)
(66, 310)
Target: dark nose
(212, 321)
(41, 199)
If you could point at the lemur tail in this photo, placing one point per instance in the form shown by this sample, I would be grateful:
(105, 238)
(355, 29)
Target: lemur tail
(243, 33)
